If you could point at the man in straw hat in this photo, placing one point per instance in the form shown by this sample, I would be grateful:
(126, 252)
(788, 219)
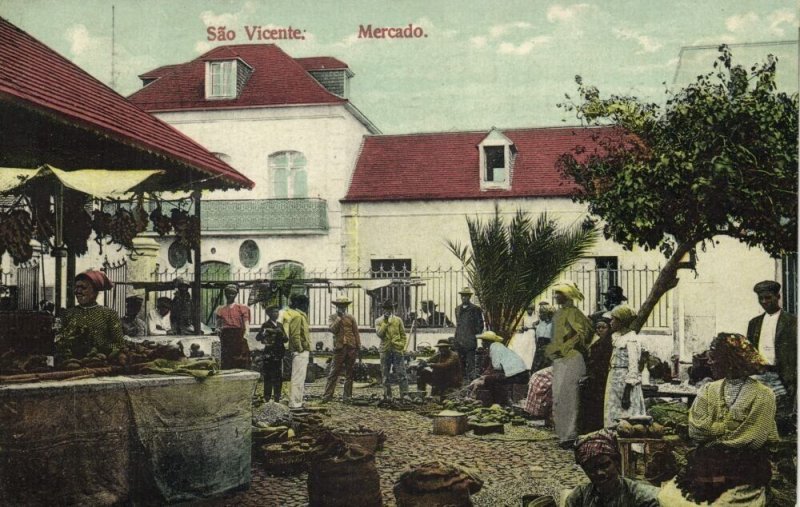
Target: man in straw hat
(469, 323)
(232, 321)
(572, 331)
(295, 324)
(346, 344)
(392, 334)
(442, 371)
(507, 368)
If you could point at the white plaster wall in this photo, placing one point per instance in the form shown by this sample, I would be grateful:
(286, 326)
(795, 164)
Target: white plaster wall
(329, 137)
(717, 298)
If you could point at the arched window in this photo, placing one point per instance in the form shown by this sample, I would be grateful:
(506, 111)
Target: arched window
(288, 175)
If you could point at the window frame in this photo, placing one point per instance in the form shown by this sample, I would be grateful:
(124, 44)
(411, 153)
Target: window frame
(495, 139)
(231, 85)
(294, 174)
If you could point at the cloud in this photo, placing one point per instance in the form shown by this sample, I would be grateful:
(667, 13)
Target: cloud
(228, 19)
(647, 43)
(741, 22)
(478, 41)
(498, 30)
(558, 14)
(93, 54)
(508, 48)
(778, 18)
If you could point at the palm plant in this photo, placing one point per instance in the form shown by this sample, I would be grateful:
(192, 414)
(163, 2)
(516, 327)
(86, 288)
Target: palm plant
(509, 265)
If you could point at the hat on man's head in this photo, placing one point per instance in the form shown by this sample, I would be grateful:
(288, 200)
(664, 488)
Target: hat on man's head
(164, 301)
(615, 291)
(181, 282)
(489, 336)
(443, 343)
(134, 298)
(231, 286)
(767, 286)
(341, 301)
(387, 305)
(466, 290)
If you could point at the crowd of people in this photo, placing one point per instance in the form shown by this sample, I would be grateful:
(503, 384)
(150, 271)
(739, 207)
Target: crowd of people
(584, 374)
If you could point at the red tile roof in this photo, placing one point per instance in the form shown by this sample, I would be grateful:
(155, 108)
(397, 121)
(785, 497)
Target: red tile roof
(321, 63)
(156, 73)
(277, 79)
(33, 75)
(445, 165)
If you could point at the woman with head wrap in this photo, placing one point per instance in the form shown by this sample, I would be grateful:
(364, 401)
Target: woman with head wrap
(624, 397)
(571, 333)
(598, 454)
(593, 385)
(232, 321)
(732, 419)
(88, 326)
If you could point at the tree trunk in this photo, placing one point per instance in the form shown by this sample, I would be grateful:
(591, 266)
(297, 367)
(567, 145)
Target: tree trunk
(667, 280)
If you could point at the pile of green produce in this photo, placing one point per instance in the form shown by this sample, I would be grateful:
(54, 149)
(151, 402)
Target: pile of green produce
(674, 416)
(478, 414)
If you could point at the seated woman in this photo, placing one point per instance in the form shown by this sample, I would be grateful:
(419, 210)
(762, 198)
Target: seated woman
(598, 455)
(88, 325)
(539, 402)
(732, 419)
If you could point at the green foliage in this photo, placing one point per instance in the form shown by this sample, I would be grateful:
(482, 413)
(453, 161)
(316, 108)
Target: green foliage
(720, 158)
(508, 265)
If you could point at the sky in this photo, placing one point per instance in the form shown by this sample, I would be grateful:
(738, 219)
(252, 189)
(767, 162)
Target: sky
(476, 65)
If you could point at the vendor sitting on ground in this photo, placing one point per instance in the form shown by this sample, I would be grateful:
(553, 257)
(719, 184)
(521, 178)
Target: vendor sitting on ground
(598, 454)
(506, 369)
(442, 371)
(159, 320)
(732, 420)
(132, 325)
(88, 326)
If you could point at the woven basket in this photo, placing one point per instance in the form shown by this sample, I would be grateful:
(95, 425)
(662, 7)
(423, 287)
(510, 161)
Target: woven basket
(370, 441)
(278, 461)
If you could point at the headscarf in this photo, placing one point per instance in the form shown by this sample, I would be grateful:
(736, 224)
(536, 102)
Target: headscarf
(98, 279)
(569, 289)
(231, 286)
(740, 356)
(598, 443)
(624, 314)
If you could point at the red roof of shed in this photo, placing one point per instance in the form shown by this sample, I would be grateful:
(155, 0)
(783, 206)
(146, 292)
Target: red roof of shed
(36, 76)
(446, 165)
(277, 80)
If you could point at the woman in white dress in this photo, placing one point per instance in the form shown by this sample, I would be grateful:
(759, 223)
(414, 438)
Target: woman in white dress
(624, 396)
(524, 341)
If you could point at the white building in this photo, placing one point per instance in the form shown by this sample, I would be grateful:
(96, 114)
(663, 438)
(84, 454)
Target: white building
(289, 126)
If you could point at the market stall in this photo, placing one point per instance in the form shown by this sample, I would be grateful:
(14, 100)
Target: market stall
(112, 440)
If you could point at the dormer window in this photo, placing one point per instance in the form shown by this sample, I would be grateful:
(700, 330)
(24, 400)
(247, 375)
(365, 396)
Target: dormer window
(496, 160)
(225, 78)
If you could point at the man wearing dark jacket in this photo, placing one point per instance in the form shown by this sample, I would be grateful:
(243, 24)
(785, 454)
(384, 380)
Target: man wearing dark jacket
(774, 334)
(469, 323)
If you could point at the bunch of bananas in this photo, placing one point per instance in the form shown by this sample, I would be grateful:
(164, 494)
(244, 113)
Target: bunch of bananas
(16, 232)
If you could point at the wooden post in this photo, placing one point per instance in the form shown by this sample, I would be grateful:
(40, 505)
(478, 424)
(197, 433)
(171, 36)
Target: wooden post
(70, 279)
(196, 285)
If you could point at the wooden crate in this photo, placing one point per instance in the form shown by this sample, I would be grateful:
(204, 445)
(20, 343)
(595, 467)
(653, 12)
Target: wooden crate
(449, 424)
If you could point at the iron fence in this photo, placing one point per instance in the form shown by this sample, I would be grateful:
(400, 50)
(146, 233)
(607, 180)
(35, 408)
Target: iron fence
(28, 286)
(436, 287)
(116, 272)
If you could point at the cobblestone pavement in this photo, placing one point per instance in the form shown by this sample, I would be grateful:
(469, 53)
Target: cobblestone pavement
(508, 469)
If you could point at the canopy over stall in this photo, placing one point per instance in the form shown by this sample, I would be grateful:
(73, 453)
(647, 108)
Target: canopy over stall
(55, 113)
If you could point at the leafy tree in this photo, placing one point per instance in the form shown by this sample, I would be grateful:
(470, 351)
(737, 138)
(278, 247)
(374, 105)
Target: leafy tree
(720, 158)
(509, 265)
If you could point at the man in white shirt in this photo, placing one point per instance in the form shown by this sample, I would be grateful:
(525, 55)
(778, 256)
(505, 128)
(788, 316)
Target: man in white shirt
(507, 368)
(774, 334)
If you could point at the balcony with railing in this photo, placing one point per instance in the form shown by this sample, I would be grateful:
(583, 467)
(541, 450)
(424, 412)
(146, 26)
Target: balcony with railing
(281, 216)
(265, 215)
